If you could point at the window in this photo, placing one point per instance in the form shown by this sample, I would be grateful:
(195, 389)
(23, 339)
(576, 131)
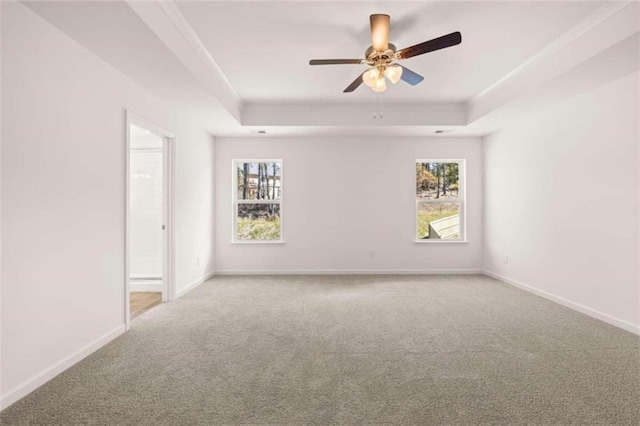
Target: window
(257, 198)
(440, 200)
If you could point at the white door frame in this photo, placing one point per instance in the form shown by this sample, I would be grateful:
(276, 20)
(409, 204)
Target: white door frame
(168, 278)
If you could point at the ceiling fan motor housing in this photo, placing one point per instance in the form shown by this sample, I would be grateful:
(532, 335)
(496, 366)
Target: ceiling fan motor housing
(375, 58)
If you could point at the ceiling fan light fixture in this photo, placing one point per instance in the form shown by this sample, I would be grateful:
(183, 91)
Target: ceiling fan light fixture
(371, 76)
(382, 55)
(393, 73)
(380, 85)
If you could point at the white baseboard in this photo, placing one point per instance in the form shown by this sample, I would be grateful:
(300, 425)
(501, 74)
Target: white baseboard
(42, 378)
(625, 325)
(348, 272)
(145, 286)
(194, 284)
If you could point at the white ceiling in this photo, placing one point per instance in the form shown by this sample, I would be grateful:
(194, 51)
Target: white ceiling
(264, 48)
(113, 31)
(243, 65)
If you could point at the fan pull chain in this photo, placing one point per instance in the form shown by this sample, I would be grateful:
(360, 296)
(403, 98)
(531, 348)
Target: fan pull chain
(377, 107)
(375, 98)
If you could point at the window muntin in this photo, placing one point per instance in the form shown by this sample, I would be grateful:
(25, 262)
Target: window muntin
(257, 200)
(440, 200)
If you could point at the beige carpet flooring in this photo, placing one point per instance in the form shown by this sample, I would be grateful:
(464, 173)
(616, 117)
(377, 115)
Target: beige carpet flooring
(455, 350)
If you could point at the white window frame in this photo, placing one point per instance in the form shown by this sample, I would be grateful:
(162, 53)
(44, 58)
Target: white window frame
(461, 200)
(235, 201)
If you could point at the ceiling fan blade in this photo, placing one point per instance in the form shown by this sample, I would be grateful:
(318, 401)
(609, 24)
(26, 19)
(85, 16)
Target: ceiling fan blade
(410, 77)
(430, 46)
(380, 32)
(353, 86)
(336, 61)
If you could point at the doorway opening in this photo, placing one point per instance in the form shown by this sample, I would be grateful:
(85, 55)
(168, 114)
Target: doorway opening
(149, 217)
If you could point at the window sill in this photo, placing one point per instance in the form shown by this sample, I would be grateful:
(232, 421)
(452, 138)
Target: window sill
(440, 242)
(258, 242)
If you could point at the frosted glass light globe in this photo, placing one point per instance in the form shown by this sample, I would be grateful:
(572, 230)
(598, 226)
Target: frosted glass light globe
(393, 73)
(370, 76)
(380, 85)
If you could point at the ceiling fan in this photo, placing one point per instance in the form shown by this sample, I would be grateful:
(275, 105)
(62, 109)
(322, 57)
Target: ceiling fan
(382, 57)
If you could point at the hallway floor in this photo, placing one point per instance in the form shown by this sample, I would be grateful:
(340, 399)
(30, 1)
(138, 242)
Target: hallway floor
(142, 301)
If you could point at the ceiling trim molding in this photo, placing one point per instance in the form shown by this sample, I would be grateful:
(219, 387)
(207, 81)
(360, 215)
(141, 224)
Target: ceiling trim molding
(601, 30)
(592, 20)
(170, 26)
(174, 14)
(354, 114)
(616, 62)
